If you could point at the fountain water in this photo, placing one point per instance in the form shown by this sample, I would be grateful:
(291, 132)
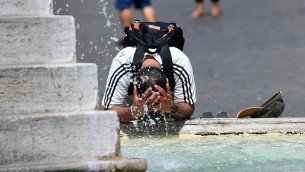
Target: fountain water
(219, 153)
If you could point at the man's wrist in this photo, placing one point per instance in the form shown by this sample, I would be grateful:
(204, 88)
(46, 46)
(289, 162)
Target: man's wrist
(131, 111)
(135, 112)
(174, 108)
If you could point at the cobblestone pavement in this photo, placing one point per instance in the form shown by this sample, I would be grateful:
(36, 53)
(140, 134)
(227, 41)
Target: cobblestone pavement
(240, 59)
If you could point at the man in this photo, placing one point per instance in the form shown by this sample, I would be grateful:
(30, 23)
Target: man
(179, 105)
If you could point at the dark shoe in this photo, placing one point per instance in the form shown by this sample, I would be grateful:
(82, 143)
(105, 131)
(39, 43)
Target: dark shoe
(207, 115)
(222, 115)
(272, 108)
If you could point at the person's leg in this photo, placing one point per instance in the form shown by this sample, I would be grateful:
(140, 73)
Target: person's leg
(199, 11)
(149, 14)
(147, 10)
(126, 17)
(215, 10)
(125, 12)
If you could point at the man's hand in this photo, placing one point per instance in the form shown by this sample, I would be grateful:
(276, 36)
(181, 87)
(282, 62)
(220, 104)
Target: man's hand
(166, 102)
(165, 99)
(144, 104)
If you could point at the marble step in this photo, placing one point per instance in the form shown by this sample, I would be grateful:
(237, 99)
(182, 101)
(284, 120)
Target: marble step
(126, 165)
(48, 88)
(58, 137)
(26, 7)
(37, 40)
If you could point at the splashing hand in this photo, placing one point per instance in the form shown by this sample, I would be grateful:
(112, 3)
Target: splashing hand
(165, 98)
(144, 104)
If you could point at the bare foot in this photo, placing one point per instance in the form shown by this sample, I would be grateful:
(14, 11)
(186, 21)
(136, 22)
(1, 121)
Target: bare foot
(215, 11)
(198, 12)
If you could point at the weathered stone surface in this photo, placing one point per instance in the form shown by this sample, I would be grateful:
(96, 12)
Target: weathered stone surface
(37, 40)
(217, 126)
(126, 165)
(48, 88)
(244, 126)
(26, 7)
(58, 137)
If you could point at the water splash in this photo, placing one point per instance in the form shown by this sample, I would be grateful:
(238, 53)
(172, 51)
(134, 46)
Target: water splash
(150, 123)
(104, 44)
(102, 4)
(58, 10)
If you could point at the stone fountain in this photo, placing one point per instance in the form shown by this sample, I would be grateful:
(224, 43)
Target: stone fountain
(49, 117)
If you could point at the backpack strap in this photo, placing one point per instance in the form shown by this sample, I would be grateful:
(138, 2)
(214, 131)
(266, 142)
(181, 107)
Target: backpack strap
(168, 65)
(136, 65)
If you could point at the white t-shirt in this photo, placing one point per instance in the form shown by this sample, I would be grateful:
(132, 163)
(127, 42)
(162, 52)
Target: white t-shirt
(116, 91)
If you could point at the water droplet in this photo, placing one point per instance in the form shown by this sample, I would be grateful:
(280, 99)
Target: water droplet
(58, 10)
(114, 39)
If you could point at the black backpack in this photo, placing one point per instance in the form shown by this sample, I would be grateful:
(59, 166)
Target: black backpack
(158, 36)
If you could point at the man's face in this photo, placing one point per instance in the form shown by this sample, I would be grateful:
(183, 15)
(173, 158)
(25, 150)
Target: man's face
(148, 77)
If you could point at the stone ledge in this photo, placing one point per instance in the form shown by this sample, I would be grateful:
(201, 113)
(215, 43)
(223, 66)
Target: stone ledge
(244, 126)
(48, 88)
(217, 126)
(58, 137)
(26, 7)
(127, 165)
(37, 40)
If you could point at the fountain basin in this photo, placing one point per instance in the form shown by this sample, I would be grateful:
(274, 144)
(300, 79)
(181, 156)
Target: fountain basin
(272, 144)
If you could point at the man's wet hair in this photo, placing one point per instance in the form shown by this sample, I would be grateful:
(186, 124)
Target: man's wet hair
(147, 77)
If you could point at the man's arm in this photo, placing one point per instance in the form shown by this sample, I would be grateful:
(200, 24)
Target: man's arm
(124, 113)
(184, 111)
